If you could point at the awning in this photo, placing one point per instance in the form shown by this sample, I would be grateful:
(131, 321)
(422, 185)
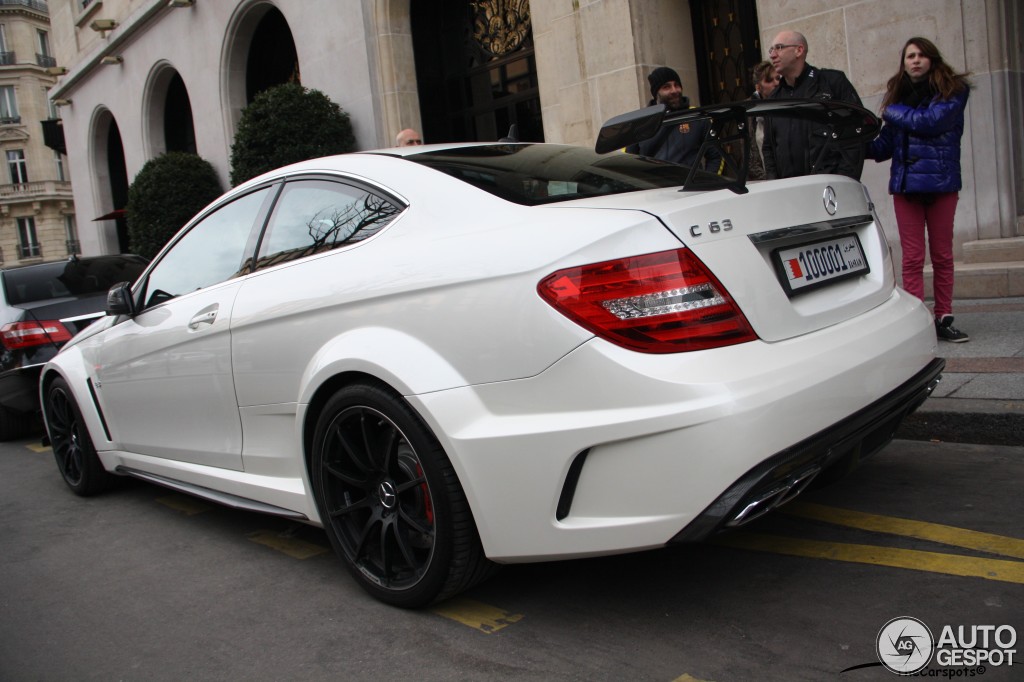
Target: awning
(113, 215)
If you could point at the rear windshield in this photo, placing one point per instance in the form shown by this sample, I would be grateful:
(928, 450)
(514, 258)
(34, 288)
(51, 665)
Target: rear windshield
(540, 174)
(70, 278)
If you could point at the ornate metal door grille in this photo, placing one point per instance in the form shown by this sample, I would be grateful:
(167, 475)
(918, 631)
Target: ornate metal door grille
(475, 69)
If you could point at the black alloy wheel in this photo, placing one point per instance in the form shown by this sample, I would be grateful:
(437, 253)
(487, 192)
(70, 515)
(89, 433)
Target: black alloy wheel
(390, 500)
(72, 447)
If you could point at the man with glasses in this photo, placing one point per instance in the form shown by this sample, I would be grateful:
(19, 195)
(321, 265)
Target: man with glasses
(793, 147)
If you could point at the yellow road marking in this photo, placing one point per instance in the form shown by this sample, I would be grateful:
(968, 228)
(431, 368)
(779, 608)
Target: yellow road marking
(922, 530)
(38, 447)
(689, 678)
(189, 506)
(286, 544)
(486, 619)
(934, 562)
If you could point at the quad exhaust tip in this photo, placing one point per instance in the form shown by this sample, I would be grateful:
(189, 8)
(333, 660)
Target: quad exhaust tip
(775, 497)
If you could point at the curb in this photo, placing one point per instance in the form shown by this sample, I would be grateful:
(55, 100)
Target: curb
(958, 420)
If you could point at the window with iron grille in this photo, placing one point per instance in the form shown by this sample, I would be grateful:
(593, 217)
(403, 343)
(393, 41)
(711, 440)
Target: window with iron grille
(58, 160)
(71, 235)
(8, 105)
(28, 241)
(19, 168)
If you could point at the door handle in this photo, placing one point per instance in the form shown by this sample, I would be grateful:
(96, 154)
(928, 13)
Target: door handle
(202, 318)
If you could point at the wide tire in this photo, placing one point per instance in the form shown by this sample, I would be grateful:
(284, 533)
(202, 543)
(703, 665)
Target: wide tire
(72, 446)
(390, 501)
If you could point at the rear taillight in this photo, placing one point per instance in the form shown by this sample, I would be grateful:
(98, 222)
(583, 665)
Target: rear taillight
(17, 335)
(665, 302)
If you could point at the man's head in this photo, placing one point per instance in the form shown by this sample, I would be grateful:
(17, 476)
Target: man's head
(788, 53)
(408, 138)
(666, 88)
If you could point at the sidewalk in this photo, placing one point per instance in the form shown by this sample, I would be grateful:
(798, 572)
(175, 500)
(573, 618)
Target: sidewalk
(981, 396)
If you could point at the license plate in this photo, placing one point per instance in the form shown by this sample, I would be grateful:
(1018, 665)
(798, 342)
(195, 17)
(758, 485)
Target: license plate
(808, 266)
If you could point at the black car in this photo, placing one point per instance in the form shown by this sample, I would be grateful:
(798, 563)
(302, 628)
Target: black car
(41, 307)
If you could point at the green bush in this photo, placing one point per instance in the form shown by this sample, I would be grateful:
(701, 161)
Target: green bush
(286, 124)
(166, 193)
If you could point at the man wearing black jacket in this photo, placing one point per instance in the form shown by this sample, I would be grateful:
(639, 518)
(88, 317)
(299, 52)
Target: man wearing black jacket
(793, 147)
(678, 144)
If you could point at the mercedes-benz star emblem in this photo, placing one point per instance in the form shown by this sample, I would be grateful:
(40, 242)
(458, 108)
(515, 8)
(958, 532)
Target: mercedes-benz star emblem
(829, 199)
(388, 494)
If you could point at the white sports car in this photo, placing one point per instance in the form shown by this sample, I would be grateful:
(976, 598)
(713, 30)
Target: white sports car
(451, 357)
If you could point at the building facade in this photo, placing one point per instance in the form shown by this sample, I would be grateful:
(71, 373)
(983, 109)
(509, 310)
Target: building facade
(37, 217)
(147, 76)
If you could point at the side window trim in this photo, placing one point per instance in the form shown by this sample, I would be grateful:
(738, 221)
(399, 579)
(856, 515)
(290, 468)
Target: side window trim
(141, 287)
(359, 184)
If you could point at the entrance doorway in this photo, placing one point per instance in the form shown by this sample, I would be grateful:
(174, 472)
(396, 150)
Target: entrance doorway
(476, 71)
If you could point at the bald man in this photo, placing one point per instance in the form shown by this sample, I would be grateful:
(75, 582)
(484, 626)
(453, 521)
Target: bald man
(792, 147)
(408, 138)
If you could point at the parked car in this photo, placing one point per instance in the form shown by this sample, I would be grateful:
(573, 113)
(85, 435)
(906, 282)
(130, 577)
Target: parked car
(455, 356)
(42, 306)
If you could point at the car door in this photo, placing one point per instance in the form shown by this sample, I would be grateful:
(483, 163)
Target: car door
(164, 376)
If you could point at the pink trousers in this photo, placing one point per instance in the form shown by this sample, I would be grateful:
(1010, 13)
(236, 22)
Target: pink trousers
(934, 220)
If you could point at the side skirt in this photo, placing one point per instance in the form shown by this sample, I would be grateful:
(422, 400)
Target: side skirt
(226, 499)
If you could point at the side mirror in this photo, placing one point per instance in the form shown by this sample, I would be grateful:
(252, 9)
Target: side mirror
(119, 299)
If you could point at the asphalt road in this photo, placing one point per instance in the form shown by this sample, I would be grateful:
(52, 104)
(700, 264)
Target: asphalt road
(146, 584)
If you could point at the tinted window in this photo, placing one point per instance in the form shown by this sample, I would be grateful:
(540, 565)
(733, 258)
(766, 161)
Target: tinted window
(539, 174)
(212, 251)
(79, 277)
(312, 216)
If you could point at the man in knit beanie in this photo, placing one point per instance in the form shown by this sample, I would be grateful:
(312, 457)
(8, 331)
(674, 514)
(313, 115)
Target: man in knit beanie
(678, 144)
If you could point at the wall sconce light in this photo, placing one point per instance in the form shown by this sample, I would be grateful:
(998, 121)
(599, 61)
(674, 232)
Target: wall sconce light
(112, 59)
(56, 70)
(180, 3)
(61, 102)
(103, 25)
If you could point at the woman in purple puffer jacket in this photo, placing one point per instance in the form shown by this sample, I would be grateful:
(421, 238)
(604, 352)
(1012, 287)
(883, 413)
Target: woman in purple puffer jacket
(923, 114)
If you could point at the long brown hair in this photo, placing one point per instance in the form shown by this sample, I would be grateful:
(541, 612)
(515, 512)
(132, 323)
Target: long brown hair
(941, 77)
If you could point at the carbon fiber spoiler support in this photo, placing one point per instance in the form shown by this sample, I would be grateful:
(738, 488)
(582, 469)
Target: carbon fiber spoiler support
(841, 123)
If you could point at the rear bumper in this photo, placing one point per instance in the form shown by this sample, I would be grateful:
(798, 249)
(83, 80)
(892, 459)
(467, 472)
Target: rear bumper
(19, 389)
(612, 451)
(841, 447)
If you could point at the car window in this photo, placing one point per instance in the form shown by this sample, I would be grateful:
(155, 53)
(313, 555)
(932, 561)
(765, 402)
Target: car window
(312, 216)
(533, 174)
(212, 251)
(72, 277)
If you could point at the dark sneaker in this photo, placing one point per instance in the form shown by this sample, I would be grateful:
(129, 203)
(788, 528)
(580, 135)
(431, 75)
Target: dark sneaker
(945, 330)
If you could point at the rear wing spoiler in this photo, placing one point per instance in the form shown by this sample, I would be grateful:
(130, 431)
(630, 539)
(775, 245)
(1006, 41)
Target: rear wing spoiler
(841, 123)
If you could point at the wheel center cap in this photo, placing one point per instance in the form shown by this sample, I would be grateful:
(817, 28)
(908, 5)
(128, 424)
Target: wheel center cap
(388, 495)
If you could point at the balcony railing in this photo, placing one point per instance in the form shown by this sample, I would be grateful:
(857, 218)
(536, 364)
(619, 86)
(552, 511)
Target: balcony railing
(10, 120)
(74, 246)
(7, 58)
(34, 190)
(37, 5)
(30, 250)
(45, 60)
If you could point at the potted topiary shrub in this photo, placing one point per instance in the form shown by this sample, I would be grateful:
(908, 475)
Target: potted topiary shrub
(286, 124)
(165, 194)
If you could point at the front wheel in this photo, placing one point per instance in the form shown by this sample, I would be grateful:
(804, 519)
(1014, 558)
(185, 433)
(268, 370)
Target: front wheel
(72, 447)
(390, 501)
